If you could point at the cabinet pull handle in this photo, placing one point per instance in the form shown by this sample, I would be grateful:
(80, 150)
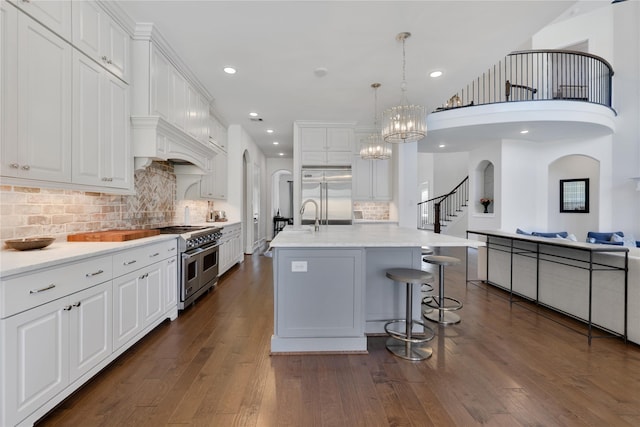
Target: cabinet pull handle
(14, 165)
(77, 304)
(144, 276)
(51, 286)
(95, 273)
(129, 262)
(172, 260)
(154, 255)
(172, 249)
(67, 308)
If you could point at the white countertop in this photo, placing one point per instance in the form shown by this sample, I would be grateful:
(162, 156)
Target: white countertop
(14, 262)
(364, 235)
(220, 224)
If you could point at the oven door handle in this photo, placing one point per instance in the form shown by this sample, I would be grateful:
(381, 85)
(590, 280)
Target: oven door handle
(199, 250)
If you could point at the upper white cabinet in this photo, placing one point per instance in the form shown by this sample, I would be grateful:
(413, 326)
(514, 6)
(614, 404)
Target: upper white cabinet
(326, 145)
(101, 149)
(217, 133)
(101, 38)
(214, 184)
(54, 14)
(36, 100)
(371, 179)
(160, 67)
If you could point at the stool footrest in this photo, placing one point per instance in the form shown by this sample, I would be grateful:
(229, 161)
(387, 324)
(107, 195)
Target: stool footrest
(434, 302)
(419, 337)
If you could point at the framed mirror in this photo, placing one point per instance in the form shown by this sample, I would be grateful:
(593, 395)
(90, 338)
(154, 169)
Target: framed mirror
(574, 195)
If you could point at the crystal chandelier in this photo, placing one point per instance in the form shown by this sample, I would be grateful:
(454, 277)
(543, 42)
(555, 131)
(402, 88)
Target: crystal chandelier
(404, 122)
(372, 146)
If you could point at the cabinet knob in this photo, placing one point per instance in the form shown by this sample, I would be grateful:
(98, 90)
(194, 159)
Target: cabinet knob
(14, 165)
(104, 58)
(109, 62)
(77, 304)
(67, 308)
(26, 167)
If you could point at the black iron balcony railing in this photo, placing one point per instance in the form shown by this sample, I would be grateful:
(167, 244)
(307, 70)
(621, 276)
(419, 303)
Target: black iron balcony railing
(539, 75)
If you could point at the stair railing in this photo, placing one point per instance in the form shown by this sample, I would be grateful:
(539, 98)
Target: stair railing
(434, 212)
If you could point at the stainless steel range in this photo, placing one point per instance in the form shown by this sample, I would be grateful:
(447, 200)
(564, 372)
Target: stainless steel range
(198, 248)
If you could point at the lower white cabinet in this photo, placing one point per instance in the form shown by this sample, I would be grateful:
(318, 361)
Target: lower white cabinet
(61, 325)
(139, 301)
(230, 247)
(50, 346)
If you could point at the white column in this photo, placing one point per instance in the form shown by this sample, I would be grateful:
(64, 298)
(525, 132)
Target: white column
(407, 191)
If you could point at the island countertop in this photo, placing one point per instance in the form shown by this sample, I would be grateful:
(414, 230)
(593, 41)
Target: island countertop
(364, 235)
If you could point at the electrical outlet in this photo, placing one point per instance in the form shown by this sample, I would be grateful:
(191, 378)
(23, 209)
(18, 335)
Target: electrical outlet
(299, 266)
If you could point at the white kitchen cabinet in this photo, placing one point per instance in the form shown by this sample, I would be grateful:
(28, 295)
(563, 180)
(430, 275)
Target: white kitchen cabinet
(371, 179)
(177, 99)
(170, 283)
(139, 300)
(54, 344)
(40, 146)
(160, 78)
(89, 329)
(217, 133)
(230, 247)
(58, 323)
(101, 38)
(54, 14)
(142, 277)
(214, 184)
(326, 145)
(101, 147)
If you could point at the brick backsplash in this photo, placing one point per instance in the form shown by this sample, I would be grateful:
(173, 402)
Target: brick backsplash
(30, 211)
(372, 210)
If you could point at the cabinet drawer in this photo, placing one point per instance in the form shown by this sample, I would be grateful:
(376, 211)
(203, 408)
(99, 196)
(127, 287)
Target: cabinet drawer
(133, 259)
(37, 288)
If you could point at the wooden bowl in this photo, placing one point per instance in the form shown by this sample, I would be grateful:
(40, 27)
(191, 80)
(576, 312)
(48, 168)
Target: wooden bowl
(29, 243)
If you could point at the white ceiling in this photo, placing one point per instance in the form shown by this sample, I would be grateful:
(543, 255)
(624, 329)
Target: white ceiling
(277, 45)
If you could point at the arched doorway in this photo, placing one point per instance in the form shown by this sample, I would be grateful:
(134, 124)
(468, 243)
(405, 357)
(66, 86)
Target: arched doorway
(281, 194)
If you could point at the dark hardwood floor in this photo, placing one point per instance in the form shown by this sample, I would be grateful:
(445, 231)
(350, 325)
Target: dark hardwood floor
(503, 365)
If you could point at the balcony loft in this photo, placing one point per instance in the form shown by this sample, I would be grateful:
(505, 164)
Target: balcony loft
(553, 94)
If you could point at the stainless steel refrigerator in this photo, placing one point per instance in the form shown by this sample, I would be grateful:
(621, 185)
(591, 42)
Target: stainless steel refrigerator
(330, 188)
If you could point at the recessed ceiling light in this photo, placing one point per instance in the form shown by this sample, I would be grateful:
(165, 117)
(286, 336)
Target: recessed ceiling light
(229, 70)
(524, 131)
(275, 143)
(435, 74)
(252, 114)
(281, 154)
(441, 146)
(269, 130)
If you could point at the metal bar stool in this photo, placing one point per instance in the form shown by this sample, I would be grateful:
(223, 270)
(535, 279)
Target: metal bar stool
(406, 345)
(442, 313)
(427, 287)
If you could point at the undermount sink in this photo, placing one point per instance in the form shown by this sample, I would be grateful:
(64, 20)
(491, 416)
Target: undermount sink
(298, 229)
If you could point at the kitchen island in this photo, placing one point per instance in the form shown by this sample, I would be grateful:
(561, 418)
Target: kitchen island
(330, 288)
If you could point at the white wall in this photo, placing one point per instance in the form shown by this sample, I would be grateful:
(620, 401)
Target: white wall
(273, 165)
(572, 167)
(613, 32)
(239, 141)
(448, 170)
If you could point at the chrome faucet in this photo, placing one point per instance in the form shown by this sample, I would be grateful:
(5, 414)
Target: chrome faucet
(316, 226)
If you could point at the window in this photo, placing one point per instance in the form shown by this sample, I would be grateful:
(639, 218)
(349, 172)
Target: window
(574, 195)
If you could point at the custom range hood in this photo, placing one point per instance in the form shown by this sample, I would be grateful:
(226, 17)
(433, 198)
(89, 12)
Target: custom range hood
(169, 105)
(155, 139)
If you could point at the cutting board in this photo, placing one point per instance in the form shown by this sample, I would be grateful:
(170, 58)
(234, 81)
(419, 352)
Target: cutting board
(111, 235)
